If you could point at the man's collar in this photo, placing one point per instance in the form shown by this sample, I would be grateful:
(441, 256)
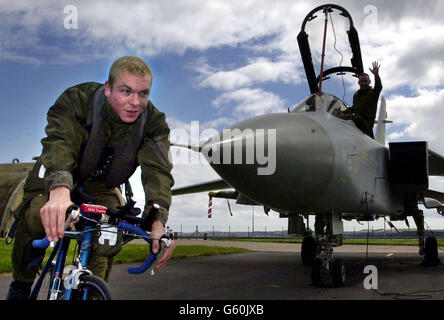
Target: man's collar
(368, 88)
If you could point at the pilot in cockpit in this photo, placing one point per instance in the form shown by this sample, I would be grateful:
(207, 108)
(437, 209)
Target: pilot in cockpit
(365, 101)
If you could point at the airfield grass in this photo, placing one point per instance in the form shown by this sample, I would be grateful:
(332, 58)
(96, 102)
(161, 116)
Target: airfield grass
(129, 253)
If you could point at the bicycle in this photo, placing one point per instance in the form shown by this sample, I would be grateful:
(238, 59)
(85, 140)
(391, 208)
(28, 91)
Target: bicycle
(81, 284)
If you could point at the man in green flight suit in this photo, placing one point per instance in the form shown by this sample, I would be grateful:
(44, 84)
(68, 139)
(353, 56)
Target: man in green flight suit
(97, 135)
(365, 101)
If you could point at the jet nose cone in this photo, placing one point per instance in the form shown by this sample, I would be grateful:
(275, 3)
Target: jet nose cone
(253, 149)
(282, 160)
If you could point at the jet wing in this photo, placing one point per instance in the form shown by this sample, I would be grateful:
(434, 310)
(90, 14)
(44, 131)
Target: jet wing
(436, 164)
(201, 187)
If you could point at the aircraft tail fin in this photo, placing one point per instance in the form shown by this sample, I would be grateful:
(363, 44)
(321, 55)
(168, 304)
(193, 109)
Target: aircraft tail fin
(382, 120)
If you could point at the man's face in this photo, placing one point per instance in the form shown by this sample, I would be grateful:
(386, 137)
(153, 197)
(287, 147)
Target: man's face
(364, 82)
(129, 95)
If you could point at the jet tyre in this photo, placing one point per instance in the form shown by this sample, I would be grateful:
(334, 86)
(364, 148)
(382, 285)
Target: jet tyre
(316, 273)
(431, 252)
(308, 250)
(338, 273)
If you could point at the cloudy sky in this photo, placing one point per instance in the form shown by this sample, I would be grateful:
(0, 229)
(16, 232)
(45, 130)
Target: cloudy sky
(217, 62)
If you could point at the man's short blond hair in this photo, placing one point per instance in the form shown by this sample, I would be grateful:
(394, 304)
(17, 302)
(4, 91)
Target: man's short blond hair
(131, 64)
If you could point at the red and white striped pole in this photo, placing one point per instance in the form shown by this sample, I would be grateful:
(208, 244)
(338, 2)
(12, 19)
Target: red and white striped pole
(210, 206)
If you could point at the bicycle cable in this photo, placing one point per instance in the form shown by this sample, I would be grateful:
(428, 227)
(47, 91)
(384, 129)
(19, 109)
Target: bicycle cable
(74, 255)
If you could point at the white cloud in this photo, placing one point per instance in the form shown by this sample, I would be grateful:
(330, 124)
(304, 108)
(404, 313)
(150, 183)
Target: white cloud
(144, 27)
(259, 70)
(422, 115)
(410, 53)
(407, 41)
(154, 26)
(250, 102)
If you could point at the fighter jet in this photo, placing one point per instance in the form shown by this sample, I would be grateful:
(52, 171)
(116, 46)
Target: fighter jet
(313, 160)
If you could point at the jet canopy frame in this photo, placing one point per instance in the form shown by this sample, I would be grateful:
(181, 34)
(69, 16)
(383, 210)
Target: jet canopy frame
(356, 67)
(325, 102)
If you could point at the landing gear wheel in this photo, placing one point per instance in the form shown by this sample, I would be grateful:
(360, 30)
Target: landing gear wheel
(308, 250)
(431, 252)
(316, 273)
(338, 273)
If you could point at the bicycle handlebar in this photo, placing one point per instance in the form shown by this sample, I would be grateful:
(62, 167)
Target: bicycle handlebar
(41, 243)
(144, 235)
(44, 243)
(72, 213)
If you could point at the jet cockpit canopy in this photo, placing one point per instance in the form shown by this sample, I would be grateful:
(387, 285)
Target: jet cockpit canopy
(322, 103)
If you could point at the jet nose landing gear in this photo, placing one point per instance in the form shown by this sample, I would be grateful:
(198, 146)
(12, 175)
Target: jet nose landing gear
(332, 273)
(325, 270)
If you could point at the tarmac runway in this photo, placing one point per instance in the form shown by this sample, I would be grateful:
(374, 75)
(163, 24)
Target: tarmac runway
(275, 272)
(280, 275)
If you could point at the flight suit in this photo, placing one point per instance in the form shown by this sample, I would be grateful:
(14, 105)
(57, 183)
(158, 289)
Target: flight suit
(365, 105)
(67, 134)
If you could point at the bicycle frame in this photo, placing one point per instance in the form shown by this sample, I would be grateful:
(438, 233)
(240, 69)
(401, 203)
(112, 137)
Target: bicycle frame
(61, 249)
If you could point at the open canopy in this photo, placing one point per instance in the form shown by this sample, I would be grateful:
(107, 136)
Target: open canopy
(324, 102)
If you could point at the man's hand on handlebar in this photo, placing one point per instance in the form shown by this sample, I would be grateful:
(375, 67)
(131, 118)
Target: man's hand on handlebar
(53, 213)
(157, 231)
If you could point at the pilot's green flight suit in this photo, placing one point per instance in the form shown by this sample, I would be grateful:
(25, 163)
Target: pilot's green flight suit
(365, 105)
(62, 149)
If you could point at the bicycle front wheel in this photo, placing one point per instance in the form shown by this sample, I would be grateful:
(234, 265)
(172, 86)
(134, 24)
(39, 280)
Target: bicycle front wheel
(44, 292)
(92, 288)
